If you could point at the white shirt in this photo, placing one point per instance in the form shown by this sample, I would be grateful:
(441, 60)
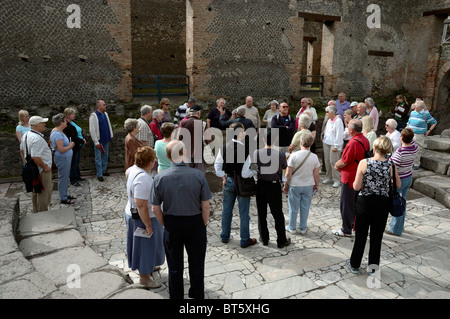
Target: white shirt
(305, 175)
(246, 171)
(138, 186)
(395, 139)
(37, 147)
(334, 133)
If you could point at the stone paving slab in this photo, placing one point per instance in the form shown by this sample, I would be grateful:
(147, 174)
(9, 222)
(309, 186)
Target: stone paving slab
(45, 222)
(414, 265)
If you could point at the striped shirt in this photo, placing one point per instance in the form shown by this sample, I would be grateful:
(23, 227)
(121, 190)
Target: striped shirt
(403, 159)
(418, 121)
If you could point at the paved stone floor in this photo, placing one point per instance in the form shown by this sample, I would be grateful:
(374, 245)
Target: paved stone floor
(415, 265)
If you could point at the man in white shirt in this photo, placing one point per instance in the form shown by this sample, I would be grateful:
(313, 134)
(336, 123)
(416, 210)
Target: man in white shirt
(40, 152)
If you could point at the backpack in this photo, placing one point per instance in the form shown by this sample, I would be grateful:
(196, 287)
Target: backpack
(367, 153)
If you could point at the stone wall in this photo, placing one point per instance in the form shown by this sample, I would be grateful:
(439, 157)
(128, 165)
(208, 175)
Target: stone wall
(46, 59)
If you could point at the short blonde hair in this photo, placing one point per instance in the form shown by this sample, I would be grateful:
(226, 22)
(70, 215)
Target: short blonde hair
(367, 122)
(68, 111)
(382, 145)
(164, 100)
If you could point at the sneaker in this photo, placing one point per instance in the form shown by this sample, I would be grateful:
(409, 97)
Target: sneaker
(336, 184)
(352, 270)
(292, 231)
(340, 233)
(302, 232)
(327, 181)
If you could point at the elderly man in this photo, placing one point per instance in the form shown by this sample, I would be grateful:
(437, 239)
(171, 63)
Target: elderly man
(361, 111)
(353, 153)
(192, 133)
(342, 104)
(145, 134)
(101, 134)
(251, 112)
(240, 113)
(285, 124)
(34, 144)
(180, 199)
(418, 122)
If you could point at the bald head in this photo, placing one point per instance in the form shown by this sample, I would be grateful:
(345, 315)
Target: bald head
(176, 151)
(355, 127)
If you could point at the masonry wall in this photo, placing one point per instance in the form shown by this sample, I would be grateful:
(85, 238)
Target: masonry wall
(45, 62)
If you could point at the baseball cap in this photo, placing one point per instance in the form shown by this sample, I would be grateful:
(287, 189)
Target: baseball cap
(195, 108)
(36, 120)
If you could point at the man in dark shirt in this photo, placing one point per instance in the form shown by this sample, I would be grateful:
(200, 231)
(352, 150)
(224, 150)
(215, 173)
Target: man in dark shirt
(240, 118)
(185, 194)
(286, 128)
(270, 164)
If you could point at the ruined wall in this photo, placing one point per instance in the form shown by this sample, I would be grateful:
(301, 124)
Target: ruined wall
(46, 62)
(158, 37)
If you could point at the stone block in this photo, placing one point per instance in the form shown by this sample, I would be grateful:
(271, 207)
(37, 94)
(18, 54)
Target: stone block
(31, 286)
(435, 161)
(46, 222)
(56, 265)
(13, 265)
(436, 143)
(437, 187)
(46, 243)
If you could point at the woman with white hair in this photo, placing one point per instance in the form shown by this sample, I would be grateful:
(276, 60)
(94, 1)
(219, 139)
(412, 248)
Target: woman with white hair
(332, 145)
(155, 124)
(303, 127)
(393, 134)
(373, 112)
(131, 142)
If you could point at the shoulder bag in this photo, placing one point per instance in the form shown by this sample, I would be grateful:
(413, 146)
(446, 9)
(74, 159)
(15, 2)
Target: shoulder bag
(244, 187)
(398, 203)
(301, 164)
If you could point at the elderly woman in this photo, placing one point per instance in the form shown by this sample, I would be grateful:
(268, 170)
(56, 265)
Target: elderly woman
(373, 112)
(368, 132)
(303, 127)
(155, 124)
(271, 112)
(131, 142)
(373, 177)
(74, 133)
(404, 160)
(393, 134)
(302, 176)
(63, 157)
(165, 105)
(332, 145)
(145, 252)
(160, 146)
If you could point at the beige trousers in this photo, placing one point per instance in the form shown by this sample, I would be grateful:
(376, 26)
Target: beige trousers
(42, 200)
(330, 158)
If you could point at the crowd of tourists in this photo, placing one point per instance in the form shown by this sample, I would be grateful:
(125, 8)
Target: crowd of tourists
(168, 195)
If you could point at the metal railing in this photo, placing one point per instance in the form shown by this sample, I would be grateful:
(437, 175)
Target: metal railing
(312, 86)
(161, 88)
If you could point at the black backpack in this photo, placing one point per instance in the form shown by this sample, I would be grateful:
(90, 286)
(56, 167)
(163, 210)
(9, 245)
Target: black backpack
(367, 153)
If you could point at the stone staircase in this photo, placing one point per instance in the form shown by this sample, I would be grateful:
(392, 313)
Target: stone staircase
(433, 180)
(46, 258)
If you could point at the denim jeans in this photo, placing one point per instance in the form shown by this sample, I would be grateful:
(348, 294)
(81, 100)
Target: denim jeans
(299, 197)
(101, 160)
(63, 165)
(229, 198)
(397, 223)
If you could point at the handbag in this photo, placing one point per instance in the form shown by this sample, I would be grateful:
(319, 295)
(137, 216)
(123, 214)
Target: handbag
(30, 173)
(398, 203)
(244, 187)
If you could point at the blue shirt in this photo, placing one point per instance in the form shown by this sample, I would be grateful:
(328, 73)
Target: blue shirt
(103, 127)
(418, 121)
(181, 189)
(341, 107)
(56, 136)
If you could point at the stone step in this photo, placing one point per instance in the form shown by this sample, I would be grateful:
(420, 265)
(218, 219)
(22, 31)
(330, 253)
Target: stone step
(438, 162)
(440, 144)
(47, 222)
(432, 185)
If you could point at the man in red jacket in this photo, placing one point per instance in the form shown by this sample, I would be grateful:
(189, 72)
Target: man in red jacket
(353, 153)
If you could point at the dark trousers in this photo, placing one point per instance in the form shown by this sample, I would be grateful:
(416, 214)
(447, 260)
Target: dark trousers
(75, 166)
(347, 206)
(371, 213)
(190, 233)
(269, 193)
